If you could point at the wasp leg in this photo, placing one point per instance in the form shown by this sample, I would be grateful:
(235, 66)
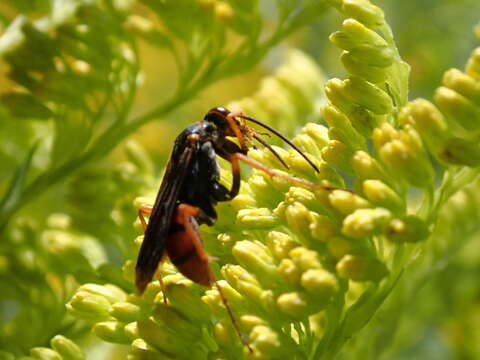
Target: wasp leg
(236, 157)
(147, 210)
(186, 251)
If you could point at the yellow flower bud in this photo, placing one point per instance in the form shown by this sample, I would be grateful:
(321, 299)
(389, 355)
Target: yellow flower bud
(319, 283)
(339, 155)
(66, 348)
(368, 95)
(44, 353)
(427, 120)
(365, 222)
(280, 244)
(372, 73)
(360, 268)
(289, 271)
(340, 126)
(298, 218)
(345, 202)
(462, 84)
(473, 64)
(259, 218)
(322, 228)
(382, 56)
(367, 167)
(255, 257)
(364, 11)
(88, 306)
(305, 259)
(355, 34)
(407, 229)
(382, 195)
(458, 108)
(143, 351)
(250, 321)
(295, 304)
(266, 343)
(111, 331)
(125, 311)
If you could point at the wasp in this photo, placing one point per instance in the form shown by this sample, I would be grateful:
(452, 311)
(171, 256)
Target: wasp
(190, 190)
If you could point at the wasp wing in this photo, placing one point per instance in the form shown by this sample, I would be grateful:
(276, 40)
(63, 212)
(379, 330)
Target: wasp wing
(156, 234)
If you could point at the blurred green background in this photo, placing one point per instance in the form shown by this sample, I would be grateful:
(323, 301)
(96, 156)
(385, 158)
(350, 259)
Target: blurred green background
(92, 205)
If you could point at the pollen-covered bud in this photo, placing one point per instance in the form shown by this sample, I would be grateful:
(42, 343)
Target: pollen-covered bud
(111, 331)
(338, 154)
(255, 257)
(380, 194)
(407, 229)
(340, 127)
(320, 284)
(66, 348)
(368, 95)
(258, 218)
(458, 108)
(463, 84)
(346, 202)
(365, 12)
(280, 244)
(473, 64)
(125, 311)
(365, 222)
(360, 268)
(427, 120)
(44, 353)
(366, 167)
(459, 151)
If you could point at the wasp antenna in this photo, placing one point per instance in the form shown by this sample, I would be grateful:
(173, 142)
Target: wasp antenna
(269, 147)
(284, 138)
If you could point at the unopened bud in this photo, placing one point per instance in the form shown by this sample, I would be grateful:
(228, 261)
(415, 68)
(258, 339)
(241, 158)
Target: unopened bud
(407, 229)
(365, 222)
(319, 283)
(67, 349)
(380, 194)
(258, 218)
(473, 64)
(359, 268)
(111, 331)
(345, 202)
(458, 108)
(43, 353)
(365, 12)
(368, 95)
